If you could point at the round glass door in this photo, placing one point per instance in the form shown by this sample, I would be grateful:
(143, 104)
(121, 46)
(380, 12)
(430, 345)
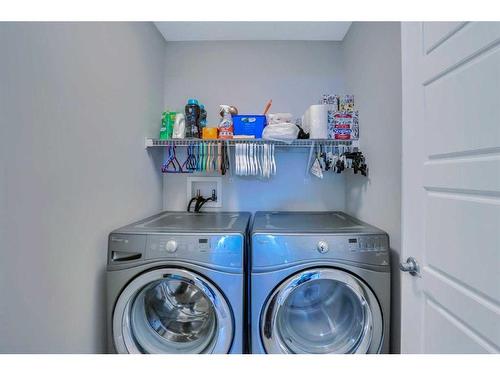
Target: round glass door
(320, 311)
(172, 311)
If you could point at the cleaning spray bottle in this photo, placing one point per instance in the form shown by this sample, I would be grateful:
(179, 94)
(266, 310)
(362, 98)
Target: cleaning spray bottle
(226, 122)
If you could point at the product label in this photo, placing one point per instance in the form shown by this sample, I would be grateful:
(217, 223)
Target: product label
(226, 129)
(346, 103)
(343, 125)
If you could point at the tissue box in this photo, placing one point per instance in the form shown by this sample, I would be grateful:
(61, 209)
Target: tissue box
(249, 125)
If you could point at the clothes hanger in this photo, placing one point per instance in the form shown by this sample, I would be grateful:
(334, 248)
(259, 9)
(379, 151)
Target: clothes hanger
(190, 164)
(225, 158)
(172, 165)
(273, 160)
(192, 158)
(219, 157)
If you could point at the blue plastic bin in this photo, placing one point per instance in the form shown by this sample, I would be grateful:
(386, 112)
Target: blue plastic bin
(249, 125)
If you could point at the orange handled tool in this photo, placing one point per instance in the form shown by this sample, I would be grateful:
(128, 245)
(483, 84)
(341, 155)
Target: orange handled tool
(268, 105)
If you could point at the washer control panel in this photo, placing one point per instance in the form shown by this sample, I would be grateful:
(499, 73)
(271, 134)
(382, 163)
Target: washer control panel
(158, 245)
(224, 250)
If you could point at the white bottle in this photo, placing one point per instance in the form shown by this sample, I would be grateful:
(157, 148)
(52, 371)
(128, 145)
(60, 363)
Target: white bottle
(179, 130)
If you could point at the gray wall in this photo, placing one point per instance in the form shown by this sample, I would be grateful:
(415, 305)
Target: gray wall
(372, 59)
(247, 74)
(76, 102)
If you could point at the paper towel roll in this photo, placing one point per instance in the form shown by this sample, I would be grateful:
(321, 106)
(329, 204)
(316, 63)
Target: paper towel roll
(316, 118)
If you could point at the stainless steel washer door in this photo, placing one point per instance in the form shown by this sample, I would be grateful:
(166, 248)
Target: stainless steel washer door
(171, 310)
(319, 311)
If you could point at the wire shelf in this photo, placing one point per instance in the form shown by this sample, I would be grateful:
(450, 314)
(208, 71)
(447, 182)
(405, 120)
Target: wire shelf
(154, 142)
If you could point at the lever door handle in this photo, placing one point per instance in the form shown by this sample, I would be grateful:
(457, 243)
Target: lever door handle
(411, 266)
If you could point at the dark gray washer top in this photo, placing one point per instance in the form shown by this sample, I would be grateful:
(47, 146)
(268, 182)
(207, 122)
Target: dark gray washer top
(310, 222)
(190, 222)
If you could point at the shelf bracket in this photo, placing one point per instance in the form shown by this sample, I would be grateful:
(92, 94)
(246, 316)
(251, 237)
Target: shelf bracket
(148, 142)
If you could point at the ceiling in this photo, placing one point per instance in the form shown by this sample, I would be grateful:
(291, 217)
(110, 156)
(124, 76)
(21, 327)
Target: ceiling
(211, 31)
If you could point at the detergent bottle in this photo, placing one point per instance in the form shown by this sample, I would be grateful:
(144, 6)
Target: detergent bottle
(192, 110)
(226, 122)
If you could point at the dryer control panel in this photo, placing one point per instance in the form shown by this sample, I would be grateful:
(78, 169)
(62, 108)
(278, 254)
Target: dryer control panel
(367, 243)
(284, 249)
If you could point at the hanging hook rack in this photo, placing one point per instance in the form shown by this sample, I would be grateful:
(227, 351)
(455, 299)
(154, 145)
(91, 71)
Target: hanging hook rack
(153, 142)
(255, 157)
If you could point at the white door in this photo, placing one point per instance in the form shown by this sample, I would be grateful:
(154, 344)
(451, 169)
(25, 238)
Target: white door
(451, 187)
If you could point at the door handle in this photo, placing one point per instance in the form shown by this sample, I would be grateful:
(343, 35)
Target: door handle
(411, 266)
(123, 256)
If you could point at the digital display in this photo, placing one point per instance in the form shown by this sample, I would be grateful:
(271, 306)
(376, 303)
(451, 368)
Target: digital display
(353, 240)
(203, 240)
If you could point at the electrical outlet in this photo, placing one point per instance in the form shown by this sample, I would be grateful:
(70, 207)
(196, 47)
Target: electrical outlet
(205, 185)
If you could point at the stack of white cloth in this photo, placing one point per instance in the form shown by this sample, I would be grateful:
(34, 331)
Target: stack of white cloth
(280, 127)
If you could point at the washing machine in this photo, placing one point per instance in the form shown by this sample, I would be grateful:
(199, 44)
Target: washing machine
(176, 284)
(319, 283)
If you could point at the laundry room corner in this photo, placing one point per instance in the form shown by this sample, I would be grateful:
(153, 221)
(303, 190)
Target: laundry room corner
(366, 63)
(376, 86)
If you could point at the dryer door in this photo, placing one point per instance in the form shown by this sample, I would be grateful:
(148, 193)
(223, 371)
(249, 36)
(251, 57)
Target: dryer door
(322, 310)
(172, 310)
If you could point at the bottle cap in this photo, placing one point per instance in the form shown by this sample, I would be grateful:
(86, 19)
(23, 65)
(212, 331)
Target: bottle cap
(192, 101)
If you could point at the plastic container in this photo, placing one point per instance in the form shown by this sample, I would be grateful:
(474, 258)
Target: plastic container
(192, 110)
(170, 124)
(179, 130)
(249, 125)
(209, 133)
(203, 117)
(163, 128)
(167, 124)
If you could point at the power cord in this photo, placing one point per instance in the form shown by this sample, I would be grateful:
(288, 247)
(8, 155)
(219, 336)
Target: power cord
(200, 201)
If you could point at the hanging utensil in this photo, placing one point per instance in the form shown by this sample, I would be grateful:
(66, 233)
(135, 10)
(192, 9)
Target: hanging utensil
(267, 107)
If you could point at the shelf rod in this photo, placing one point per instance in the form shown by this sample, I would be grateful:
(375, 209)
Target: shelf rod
(151, 142)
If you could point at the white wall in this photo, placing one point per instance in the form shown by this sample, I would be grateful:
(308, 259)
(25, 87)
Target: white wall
(247, 74)
(290, 189)
(372, 58)
(76, 102)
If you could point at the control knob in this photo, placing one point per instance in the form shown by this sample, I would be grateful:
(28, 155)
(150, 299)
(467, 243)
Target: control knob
(171, 246)
(322, 247)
